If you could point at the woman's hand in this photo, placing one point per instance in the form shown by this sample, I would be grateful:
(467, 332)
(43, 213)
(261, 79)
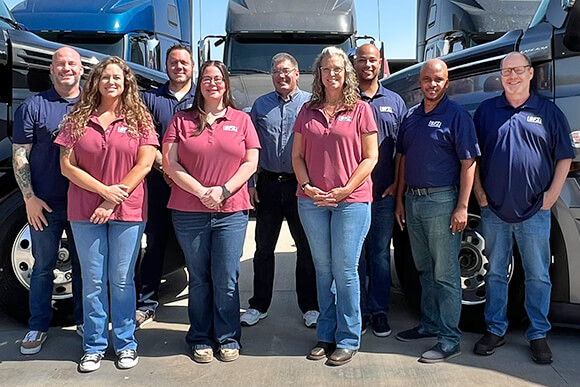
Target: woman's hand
(116, 193)
(102, 213)
(213, 198)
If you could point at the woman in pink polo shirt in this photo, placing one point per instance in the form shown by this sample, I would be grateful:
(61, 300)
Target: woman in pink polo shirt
(335, 150)
(210, 151)
(108, 144)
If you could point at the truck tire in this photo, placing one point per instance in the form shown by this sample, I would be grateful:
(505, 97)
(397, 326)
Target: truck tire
(16, 264)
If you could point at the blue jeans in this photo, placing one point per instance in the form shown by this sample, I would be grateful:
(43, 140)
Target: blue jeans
(108, 253)
(376, 259)
(336, 235)
(533, 239)
(435, 252)
(213, 245)
(45, 246)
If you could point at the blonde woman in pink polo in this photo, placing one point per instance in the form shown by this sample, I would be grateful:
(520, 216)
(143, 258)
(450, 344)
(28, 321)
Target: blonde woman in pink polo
(108, 144)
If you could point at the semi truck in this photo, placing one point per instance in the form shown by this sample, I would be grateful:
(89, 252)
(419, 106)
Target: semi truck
(258, 29)
(139, 31)
(24, 70)
(552, 41)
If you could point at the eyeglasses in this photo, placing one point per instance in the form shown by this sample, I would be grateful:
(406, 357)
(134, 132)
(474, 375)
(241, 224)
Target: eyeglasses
(335, 70)
(209, 80)
(508, 70)
(284, 72)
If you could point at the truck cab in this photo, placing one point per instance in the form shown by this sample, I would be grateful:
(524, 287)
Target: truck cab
(138, 31)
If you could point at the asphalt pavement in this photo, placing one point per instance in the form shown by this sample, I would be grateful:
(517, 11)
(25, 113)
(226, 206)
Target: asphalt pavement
(274, 350)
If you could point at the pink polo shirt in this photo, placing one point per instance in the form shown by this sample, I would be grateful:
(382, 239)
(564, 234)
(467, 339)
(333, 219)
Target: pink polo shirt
(212, 158)
(108, 156)
(333, 150)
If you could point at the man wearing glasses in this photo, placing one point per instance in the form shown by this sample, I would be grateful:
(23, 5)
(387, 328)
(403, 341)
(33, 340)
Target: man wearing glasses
(526, 156)
(274, 194)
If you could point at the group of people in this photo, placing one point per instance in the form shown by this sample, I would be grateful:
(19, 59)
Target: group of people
(340, 164)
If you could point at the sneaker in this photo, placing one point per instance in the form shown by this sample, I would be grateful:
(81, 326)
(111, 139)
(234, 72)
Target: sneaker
(143, 317)
(32, 342)
(414, 334)
(311, 318)
(437, 354)
(90, 362)
(229, 354)
(127, 359)
(252, 317)
(366, 321)
(80, 330)
(541, 352)
(488, 343)
(380, 325)
(203, 355)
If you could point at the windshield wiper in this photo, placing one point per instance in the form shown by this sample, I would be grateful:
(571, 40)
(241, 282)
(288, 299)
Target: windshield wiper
(12, 22)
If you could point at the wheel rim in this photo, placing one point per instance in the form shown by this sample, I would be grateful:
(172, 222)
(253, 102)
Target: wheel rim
(23, 263)
(474, 264)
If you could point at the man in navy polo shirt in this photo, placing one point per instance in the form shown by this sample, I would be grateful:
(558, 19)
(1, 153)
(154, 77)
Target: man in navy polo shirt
(437, 146)
(526, 156)
(37, 172)
(274, 196)
(389, 110)
(175, 95)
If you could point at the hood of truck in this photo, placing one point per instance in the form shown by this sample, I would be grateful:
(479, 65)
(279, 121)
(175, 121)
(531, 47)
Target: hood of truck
(248, 87)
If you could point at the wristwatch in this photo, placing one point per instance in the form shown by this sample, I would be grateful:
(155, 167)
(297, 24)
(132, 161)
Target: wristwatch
(303, 185)
(226, 192)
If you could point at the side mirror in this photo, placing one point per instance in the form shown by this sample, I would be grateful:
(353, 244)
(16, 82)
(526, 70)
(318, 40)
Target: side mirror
(153, 53)
(203, 51)
(572, 34)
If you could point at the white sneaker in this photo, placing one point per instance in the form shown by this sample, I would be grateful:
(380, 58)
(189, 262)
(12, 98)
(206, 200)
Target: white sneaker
(32, 342)
(311, 318)
(252, 317)
(90, 362)
(127, 359)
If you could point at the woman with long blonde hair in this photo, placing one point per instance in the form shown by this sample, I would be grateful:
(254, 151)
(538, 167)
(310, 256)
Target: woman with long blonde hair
(108, 144)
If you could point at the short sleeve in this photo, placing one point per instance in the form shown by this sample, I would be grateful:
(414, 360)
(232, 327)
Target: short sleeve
(23, 128)
(251, 139)
(401, 134)
(64, 137)
(466, 145)
(367, 123)
(149, 140)
(171, 132)
(561, 133)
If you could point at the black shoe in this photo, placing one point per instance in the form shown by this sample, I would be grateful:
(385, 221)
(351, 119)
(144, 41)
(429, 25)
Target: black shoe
(366, 320)
(321, 350)
(340, 356)
(541, 352)
(488, 343)
(381, 326)
(414, 334)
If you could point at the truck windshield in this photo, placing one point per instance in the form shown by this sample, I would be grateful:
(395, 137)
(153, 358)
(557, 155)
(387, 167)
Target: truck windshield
(106, 44)
(254, 56)
(540, 13)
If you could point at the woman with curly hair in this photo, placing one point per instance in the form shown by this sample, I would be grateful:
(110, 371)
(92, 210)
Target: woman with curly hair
(108, 144)
(335, 150)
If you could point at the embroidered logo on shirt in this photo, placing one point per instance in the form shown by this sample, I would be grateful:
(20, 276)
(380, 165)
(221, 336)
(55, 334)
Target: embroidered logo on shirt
(122, 129)
(534, 119)
(230, 128)
(385, 109)
(345, 118)
(434, 124)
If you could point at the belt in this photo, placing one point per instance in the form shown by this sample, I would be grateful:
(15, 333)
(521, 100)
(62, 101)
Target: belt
(429, 191)
(280, 177)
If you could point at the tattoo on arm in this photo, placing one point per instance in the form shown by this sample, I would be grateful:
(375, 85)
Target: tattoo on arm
(21, 166)
(65, 152)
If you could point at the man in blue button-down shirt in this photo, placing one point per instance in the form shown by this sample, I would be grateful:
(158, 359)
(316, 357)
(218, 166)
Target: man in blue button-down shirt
(274, 196)
(176, 95)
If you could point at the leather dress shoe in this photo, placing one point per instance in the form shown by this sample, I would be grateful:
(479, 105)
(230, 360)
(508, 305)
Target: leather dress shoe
(340, 356)
(321, 350)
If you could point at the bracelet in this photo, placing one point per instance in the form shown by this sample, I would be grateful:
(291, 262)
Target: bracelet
(226, 192)
(303, 185)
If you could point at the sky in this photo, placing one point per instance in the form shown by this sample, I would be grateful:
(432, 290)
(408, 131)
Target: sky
(397, 27)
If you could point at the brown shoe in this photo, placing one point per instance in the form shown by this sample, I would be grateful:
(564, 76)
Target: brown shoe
(340, 356)
(321, 350)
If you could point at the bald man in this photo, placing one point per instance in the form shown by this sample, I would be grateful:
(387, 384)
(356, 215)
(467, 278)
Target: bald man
(37, 172)
(436, 147)
(375, 262)
(526, 156)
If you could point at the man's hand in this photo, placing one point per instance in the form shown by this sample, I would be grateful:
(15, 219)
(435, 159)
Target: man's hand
(116, 193)
(481, 197)
(34, 208)
(102, 213)
(253, 196)
(549, 200)
(390, 191)
(400, 213)
(458, 220)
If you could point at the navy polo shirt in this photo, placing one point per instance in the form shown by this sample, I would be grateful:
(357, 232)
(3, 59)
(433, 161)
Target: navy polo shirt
(520, 147)
(274, 119)
(389, 110)
(162, 105)
(36, 122)
(434, 143)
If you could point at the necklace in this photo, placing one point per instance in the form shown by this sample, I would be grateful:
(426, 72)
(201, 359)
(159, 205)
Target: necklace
(330, 111)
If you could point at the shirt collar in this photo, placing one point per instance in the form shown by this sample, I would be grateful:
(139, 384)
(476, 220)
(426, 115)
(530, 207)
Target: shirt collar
(168, 92)
(53, 95)
(381, 92)
(290, 96)
(440, 108)
(531, 102)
